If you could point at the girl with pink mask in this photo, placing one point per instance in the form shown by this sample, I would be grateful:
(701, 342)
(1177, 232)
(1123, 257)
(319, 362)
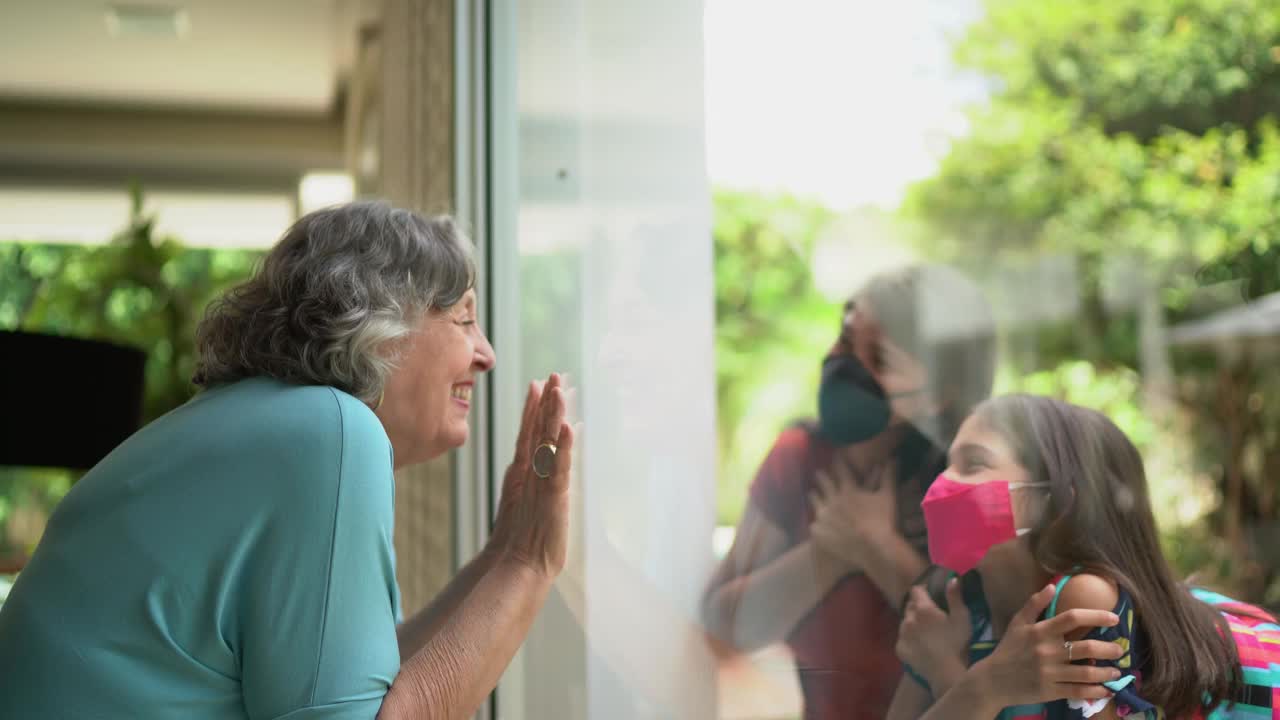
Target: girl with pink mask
(1048, 501)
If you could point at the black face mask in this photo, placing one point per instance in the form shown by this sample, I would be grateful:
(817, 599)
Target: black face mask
(852, 406)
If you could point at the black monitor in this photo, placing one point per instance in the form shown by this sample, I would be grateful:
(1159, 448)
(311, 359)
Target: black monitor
(67, 402)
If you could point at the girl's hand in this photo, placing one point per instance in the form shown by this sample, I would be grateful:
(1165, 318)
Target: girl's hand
(1030, 664)
(934, 642)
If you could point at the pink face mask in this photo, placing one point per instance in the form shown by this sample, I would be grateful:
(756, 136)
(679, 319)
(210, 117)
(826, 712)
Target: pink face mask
(964, 521)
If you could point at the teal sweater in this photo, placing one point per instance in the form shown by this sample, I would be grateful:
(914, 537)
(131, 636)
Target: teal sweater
(232, 559)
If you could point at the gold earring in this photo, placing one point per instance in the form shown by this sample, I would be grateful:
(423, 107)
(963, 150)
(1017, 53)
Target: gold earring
(381, 396)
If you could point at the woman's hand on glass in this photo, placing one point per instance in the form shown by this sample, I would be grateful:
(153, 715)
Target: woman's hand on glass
(532, 524)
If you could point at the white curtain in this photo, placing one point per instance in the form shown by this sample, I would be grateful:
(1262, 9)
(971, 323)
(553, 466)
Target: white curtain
(602, 267)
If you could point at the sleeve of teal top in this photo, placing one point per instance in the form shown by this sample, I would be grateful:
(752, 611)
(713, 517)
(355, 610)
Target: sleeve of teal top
(320, 641)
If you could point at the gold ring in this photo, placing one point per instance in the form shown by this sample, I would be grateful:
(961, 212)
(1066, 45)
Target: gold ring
(544, 460)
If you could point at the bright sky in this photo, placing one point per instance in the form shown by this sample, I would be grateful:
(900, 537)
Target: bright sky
(846, 101)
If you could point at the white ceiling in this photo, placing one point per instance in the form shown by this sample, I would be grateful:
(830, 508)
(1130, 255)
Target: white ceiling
(247, 55)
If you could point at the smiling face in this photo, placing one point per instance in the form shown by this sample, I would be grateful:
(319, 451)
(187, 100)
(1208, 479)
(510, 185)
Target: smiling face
(980, 455)
(428, 395)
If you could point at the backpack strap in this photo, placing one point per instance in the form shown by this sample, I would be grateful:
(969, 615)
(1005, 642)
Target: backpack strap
(1057, 591)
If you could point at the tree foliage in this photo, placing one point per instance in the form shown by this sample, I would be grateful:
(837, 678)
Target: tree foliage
(772, 326)
(1139, 130)
(1114, 127)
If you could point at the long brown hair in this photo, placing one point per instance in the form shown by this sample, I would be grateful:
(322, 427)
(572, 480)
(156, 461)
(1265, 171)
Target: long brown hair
(1097, 517)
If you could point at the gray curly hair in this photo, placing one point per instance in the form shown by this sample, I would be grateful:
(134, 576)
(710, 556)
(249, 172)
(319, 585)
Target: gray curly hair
(340, 285)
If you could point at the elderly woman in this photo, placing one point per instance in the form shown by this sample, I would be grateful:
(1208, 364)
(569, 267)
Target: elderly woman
(233, 559)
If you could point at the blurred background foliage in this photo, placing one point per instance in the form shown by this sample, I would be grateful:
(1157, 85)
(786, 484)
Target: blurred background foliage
(136, 289)
(772, 328)
(1122, 177)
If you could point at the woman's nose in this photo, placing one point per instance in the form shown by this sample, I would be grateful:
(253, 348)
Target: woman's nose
(485, 357)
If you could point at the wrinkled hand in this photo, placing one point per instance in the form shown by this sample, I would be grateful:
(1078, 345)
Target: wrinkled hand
(935, 642)
(848, 519)
(1030, 663)
(532, 524)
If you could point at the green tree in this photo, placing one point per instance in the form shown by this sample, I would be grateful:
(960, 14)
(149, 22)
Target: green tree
(1120, 127)
(1139, 130)
(772, 327)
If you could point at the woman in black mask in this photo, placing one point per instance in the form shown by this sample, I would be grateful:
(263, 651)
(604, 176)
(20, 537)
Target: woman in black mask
(833, 535)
